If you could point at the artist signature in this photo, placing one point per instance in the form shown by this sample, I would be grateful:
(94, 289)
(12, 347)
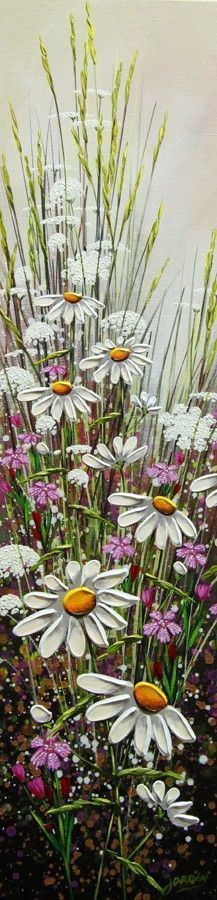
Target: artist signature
(185, 882)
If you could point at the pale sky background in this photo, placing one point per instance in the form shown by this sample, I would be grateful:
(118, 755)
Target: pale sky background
(177, 68)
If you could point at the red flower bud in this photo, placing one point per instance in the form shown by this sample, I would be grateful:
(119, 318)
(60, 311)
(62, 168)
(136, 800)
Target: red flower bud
(176, 489)
(12, 473)
(172, 651)
(158, 668)
(49, 793)
(65, 785)
(37, 518)
(134, 571)
(36, 534)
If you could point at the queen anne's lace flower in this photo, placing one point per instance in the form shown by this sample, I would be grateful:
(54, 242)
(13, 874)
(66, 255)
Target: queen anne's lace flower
(72, 189)
(16, 559)
(10, 603)
(78, 476)
(39, 331)
(125, 325)
(88, 266)
(15, 379)
(56, 242)
(188, 428)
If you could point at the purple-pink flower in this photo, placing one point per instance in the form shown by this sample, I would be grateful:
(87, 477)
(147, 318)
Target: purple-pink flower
(43, 492)
(119, 547)
(213, 609)
(203, 590)
(29, 439)
(14, 459)
(37, 788)
(4, 487)
(50, 752)
(56, 369)
(162, 473)
(179, 458)
(148, 596)
(193, 554)
(15, 419)
(162, 626)
(19, 772)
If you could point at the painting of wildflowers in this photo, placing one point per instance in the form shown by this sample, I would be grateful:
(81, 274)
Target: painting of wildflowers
(108, 488)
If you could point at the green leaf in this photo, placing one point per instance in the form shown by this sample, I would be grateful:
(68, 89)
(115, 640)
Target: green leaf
(139, 870)
(131, 639)
(147, 773)
(168, 586)
(91, 513)
(81, 804)
(102, 419)
(69, 714)
(49, 555)
(50, 837)
(49, 471)
(209, 572)
(194, 633)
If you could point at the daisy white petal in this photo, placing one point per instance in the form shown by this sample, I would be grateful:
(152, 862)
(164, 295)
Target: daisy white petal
(73, 571)
(132, 516)
(159, 790)
(146, 528)
(185, 524)
(111, 619)
(204, 482)
(162, 735)
(144, 792)
(178, 724)
(143, 734)
(39, 600)
(107, 709)
(211, 500)
(90, 570)
(101, 684)
(95, 630)
(32, 624)
(123, 726)
(76, 639)
(118, 598)
(53, 637)
(110, 579)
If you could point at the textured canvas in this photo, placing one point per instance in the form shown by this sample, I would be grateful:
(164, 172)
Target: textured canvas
(108, 440)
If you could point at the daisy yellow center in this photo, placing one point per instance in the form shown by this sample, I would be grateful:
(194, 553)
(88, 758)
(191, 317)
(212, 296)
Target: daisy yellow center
(79, 602)
(72, 298)
(119, 354)
(149, 697)
(61, 388)
(164, 506)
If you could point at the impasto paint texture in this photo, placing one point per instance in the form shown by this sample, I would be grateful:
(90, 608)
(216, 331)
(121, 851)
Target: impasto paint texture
(108, 439)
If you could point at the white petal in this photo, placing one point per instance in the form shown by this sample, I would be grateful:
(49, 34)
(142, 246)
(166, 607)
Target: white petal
(105, 453)
(40, 600)
(185, 524)
(120, 499)
(90, 570)
(101, 684)
(102, 372)
(70, 408)
(111, 578)
(76, 639)
(211, 500)
(33, 394)
(143, 734)
(171, 796)
(73, 572)
(37, 622)
(178, 724)
(143, 791)
(146, 528)
(180, 567)
(174, 531)
(203, 483)
(161, 735)
(118, 445)
(129, 446)
(182, 821)
(124, 725)
(107, 709)
(110, 619)
(137, 454)
(41, 405)
(53, 637)
(94, 462)
(117, 598)
(57, 408)
(133, 515)
(158, 790)
(181, 807)
(161, 534)
(95, 630)
(56, 310)
(40, 714)
(54, 583)
(115, 372)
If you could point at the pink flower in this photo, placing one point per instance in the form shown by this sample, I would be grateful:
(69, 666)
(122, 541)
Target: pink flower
(119, 547)
(14, 459)
(29, 439)
(213, 609)
(19, 772)
(50, 752)
(148, 596)
(162, 473)
(193, 554)
(179, 458)
(37, 788)
(4, 487)
(162, 625)
(203, 590)
(56, 369)
(15, 419)
(43, 492)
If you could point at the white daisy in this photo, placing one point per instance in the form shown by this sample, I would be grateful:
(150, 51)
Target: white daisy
(125, 362)
(70, 305)
(60, 396)
(142, 708)
(203, 484)
(144, 402)
(83, 605)
(158, 514)
(124, 454)
(158, 796)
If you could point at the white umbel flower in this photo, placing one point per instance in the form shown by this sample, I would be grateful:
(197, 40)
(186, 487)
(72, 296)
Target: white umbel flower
(203, 484)
(78, 476)
(39, 331)
(9, 604)
(155, 514)
(70, 306)
(61, 190)
(176, 811)
(127, 324)
(88, 266)
(14, 379)
(146, 403)
(84, 605)
(124, 454)
(142, 708)
(59, 397)
(127, 361)
(16, 559)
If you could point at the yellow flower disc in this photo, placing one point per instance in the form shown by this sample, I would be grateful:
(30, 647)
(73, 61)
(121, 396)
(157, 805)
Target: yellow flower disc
(72, 298)
(164, 506)
(79, 602)
(149, 697)
(61, 387)
(118, 354)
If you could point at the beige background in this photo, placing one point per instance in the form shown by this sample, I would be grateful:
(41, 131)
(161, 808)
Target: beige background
(177, 67)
